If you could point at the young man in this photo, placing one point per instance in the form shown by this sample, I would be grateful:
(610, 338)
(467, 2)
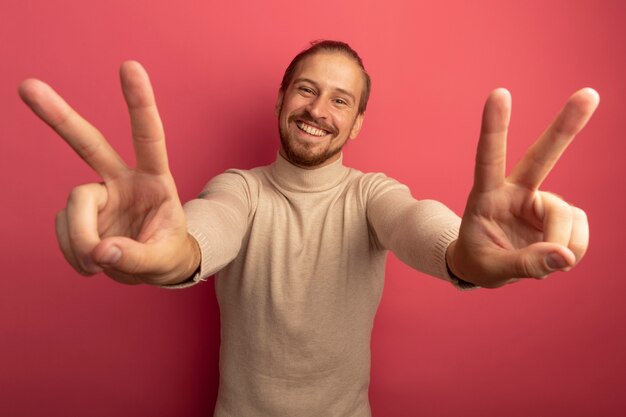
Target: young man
(300, 245)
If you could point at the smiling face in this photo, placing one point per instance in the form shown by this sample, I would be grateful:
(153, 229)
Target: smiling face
(318, 111)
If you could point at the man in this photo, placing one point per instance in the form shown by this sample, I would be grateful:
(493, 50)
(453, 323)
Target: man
(300, 245)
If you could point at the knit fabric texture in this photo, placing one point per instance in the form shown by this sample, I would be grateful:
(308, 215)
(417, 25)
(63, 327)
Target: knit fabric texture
(300, 261)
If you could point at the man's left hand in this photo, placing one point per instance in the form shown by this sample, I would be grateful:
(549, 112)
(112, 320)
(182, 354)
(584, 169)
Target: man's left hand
(510, 228)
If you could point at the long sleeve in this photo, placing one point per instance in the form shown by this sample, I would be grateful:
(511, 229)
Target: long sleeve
(218, 220)
(418, 232)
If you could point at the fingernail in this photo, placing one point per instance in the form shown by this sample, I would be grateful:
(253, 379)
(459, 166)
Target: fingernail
(90, 266)
(111, 256)
(555, 261)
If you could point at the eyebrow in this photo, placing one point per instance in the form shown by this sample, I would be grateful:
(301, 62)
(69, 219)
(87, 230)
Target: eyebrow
(310, 81)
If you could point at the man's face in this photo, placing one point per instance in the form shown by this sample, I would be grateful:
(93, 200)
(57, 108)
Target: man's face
(318, 112)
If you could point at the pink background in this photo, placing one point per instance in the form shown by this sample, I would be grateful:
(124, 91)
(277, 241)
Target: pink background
(74, 346)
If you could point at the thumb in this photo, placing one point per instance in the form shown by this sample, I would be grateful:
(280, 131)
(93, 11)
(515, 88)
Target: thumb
(127, 256)
(537, 260)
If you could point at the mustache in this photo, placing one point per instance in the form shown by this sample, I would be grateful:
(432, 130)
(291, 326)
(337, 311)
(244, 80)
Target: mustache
(307, 117)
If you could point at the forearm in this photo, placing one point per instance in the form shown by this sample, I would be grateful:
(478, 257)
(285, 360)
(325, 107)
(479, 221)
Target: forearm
(216, 223)
(417, 232)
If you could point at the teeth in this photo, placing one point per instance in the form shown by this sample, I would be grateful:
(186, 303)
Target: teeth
(311, 130)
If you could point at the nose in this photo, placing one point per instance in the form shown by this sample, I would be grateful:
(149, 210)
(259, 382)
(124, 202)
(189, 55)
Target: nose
(317, 107)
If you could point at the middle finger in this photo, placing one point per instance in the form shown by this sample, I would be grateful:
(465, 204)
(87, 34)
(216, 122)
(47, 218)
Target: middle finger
(546, 151)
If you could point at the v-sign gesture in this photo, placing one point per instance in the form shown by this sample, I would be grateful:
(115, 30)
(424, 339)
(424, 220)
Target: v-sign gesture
(511, 229)
(132, 224)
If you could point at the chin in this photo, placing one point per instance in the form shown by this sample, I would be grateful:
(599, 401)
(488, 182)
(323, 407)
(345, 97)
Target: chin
(306, 159)
(299, 155)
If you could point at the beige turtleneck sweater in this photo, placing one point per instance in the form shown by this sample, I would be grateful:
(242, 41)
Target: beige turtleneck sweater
(301, 261)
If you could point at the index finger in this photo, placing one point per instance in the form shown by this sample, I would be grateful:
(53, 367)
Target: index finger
(546, 151)
(83, 137)
(490, 166)
(148, 135)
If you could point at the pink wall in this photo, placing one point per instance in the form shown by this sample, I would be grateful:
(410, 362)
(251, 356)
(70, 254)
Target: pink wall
(74, 346)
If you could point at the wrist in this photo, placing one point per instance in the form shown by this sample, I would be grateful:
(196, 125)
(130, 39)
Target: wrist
(188, 266)
(458, 279)
(451, 261)
(194, 258)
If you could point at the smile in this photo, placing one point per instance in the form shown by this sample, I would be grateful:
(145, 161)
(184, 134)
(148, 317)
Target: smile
(310, 129)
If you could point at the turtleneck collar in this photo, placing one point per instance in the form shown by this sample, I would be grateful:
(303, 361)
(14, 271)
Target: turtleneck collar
(295, 178)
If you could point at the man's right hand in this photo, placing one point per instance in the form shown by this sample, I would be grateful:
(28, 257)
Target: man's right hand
(132, 225)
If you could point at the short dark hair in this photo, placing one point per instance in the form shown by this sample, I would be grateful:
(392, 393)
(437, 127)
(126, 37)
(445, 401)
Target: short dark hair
(329, 46)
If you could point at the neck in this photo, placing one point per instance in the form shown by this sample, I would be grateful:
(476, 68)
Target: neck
(296, 178)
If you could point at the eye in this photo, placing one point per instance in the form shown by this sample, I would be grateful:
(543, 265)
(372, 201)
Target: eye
(306, 90)
(343, 103)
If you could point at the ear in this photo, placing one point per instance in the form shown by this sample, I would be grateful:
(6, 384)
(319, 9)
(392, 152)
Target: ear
(356, 127)
(279, 102)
